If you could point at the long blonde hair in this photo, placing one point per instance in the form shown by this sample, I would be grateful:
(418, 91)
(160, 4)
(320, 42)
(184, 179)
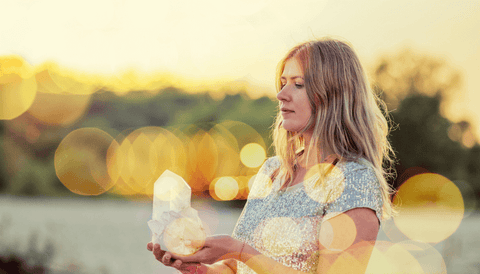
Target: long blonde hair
(346, 115)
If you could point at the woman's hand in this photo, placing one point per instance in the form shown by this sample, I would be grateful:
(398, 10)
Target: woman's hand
(216, 248)
(166, 258)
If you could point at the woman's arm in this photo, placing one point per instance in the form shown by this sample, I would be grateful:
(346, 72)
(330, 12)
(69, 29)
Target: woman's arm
(228, 266)
(346, 243)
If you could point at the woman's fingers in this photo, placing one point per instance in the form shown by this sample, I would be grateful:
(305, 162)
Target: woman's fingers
(166, 258)
(158, 252)
(177, 264)
(150, 246)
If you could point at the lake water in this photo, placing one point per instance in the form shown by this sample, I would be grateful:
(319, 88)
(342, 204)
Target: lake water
(104, 236)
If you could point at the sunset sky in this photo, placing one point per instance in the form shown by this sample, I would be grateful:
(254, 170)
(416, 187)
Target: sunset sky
(241, 39)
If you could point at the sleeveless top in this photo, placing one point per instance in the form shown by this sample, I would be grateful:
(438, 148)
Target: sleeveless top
(284, 224)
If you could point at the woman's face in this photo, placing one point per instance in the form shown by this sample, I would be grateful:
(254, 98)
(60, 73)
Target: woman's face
(294, 103)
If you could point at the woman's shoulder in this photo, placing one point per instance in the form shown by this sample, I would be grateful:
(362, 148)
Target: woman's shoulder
(355, 166)
(270, 165)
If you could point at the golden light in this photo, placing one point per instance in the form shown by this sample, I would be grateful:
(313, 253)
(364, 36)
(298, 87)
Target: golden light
(260, 186)
(142, 160)
(387, 257)
(17, 87)
(430, 208)
(426, 255)
(281, 236)
(345, 263)
(226, 188)
(324, 183)
(59, 109)
(228, 151)
(243, 187)
(206, 156)
(244, 135)
(119, 167)
(338, 233)
(170, 153)
(184, 236)
(143, 155)
(80, 161)
(253, 155)
(52, 78)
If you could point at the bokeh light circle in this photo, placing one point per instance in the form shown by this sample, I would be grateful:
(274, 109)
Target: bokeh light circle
(80, 161)
(388, 257)
(430, 208)
(253, 155)
(338, 233)
(280, 236)
(324, 183)
(137, 160)
(18, 87)
(59, 109)
(260, 186)
(226, 188)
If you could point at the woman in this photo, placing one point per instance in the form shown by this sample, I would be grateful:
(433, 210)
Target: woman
(315, 207)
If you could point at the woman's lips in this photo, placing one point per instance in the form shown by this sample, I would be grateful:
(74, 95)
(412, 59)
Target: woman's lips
(286, 111)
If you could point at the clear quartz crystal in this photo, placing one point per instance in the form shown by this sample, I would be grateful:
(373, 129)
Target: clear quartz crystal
(170, 193)
(175, 225)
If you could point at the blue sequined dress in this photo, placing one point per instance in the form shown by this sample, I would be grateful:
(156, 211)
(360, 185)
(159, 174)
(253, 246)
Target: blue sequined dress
(285, 224)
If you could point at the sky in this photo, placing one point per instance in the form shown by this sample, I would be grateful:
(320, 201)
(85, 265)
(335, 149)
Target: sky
(240, 39)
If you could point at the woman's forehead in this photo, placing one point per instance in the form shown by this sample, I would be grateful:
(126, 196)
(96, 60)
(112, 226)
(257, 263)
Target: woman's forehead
(292, 69)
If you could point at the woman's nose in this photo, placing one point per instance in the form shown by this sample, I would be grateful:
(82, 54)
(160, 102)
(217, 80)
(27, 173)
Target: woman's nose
(282, 95)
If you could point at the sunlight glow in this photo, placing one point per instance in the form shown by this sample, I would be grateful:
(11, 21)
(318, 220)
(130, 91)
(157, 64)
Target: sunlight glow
(430, 208)
(280, 236)
(17, 87)
(252, 155)
(80, 161)
(226, 188)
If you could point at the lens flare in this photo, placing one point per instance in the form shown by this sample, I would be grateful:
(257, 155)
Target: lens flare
(392, 258)
(280, 236)
(225, 188)
(206, 159)
(324, 183)
(17, 87)
(53, 79)
(59, 109)
(80, 161)
(228, 151)
(345, 263)
(142, 156)
(338, 233)
(430, 208)
(260, 186)
(244, 135)
(253, 155)
(243, 187)
(118, 166)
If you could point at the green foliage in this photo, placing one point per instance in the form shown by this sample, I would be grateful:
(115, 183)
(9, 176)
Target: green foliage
(421, 138)
(417, 88)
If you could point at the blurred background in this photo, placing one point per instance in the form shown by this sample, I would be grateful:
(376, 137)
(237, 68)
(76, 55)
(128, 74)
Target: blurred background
(98, 98)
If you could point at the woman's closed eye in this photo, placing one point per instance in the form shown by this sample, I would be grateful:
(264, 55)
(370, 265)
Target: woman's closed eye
(299, 86)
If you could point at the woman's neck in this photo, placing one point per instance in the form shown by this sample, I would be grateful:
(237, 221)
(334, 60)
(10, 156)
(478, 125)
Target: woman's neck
(313, 155)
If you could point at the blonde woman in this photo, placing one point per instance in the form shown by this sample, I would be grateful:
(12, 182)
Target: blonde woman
(316, 206)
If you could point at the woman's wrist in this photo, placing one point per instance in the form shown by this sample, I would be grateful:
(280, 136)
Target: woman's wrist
(236, 248)
(241, 251)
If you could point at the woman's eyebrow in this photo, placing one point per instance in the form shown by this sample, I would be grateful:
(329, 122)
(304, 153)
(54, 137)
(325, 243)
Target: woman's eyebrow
(293, 77)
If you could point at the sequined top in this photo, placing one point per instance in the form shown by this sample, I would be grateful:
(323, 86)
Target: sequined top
(285, 224)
